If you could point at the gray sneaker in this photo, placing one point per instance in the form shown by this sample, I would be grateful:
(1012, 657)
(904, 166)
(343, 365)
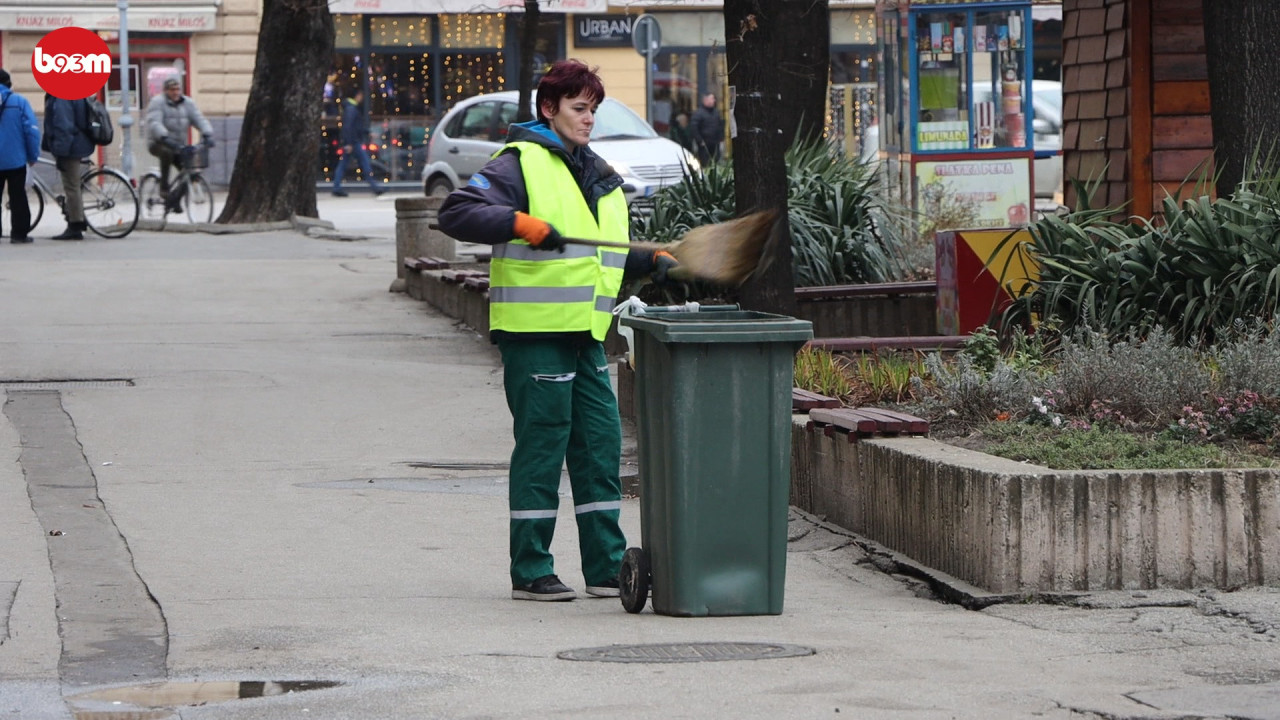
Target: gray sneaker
(547, 588)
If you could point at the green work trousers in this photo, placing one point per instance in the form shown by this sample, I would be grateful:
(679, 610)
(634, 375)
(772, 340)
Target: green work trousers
(565, 413)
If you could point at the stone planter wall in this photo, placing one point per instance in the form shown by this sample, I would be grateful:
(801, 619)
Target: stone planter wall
(1008, 527)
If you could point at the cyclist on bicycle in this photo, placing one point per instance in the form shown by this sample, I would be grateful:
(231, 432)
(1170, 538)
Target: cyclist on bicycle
(169, 118)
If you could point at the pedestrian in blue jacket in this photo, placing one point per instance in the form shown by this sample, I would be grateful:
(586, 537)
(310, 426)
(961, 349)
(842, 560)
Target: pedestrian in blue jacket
(19, 147)
(66, 137)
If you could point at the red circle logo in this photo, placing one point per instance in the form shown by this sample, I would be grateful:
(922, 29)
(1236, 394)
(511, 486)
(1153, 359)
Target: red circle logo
(71, 63)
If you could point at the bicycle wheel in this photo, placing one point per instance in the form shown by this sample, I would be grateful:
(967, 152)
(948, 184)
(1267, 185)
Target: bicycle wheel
(199, 200)
(150, 199)
(110, 204)
(35, 203)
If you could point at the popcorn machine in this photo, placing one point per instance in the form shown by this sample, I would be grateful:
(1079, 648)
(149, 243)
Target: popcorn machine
(955, 110)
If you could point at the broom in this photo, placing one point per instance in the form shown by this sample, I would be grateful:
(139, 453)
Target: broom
(724, 253)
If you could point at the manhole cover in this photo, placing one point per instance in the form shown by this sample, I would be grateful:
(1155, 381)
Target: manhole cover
(686, 652)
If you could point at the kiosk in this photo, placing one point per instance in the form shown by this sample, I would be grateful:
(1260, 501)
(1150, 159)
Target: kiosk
(955, 108)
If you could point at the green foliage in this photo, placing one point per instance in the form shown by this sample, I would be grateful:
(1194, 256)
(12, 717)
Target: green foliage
(961, 389)
(1142, 379)
(1105, 448)
(886, 376)
(1208, 263)
(819, 371)
(842, 230)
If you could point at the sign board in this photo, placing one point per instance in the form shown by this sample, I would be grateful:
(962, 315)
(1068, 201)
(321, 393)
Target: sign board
(602, 30)
(646, 35)
(998, 190)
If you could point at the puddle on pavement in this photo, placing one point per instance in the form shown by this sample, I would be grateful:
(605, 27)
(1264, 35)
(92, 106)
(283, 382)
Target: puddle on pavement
(157, 701)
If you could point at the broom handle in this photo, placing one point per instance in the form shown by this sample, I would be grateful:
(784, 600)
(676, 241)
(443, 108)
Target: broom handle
(638, 245)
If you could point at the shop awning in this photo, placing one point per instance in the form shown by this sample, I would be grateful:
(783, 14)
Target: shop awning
(153, 16)
(430, 7)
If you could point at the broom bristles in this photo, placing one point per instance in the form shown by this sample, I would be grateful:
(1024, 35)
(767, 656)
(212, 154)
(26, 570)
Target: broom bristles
(725, 253)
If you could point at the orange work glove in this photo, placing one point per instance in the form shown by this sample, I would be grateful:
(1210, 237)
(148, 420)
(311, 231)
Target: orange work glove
(538, 233)
(663, 263)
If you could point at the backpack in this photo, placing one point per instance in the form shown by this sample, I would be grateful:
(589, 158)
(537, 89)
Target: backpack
(99, 127)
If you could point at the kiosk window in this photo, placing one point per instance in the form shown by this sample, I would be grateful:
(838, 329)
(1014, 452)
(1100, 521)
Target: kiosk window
(942, 81)
(999, 80)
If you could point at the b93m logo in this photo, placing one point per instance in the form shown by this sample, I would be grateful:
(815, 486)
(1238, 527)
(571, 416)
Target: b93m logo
(71, 63)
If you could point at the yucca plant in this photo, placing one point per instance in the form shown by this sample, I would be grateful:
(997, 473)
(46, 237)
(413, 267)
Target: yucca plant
(1207, 263)
(842, 229)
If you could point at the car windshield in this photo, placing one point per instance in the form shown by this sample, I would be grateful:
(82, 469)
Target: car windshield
(615, 121)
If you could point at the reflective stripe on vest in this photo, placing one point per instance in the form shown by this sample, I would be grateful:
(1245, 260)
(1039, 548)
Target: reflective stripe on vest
(546, 291)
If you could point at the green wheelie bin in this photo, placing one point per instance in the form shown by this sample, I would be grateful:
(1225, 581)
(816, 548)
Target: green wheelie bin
(713, 423)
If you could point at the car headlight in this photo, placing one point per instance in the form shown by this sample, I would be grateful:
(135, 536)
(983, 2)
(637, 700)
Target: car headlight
(692, 162)
(622, 170)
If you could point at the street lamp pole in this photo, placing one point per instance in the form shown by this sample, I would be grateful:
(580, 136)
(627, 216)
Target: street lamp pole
(126, 105)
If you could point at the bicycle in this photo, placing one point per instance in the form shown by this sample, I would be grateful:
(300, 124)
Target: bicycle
(195, 197)
(110, 204)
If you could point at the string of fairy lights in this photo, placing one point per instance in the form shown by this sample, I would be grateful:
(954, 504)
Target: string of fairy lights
(406, 63)
(398, 85)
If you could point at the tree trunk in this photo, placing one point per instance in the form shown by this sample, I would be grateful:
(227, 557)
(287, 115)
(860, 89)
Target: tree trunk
(777, 52)
(276, 164)
(1243, 51)
(528, 42)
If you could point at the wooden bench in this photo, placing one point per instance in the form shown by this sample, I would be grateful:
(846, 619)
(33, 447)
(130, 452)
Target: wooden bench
(458, 277)
(857, 423)
(804, 401)
(872, 344)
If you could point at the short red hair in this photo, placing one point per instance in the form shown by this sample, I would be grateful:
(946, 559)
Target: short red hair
(567, 79)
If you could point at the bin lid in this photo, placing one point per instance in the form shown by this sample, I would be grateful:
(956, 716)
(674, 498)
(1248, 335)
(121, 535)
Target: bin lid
(721, 326)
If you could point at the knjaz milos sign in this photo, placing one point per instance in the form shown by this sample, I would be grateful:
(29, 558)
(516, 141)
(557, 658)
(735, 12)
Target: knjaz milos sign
(602, 30)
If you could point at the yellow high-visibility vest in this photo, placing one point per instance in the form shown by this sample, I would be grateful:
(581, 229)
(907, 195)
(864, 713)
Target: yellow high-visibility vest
(547, 291)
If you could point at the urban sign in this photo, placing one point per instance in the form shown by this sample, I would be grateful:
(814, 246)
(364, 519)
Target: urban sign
(602, 30)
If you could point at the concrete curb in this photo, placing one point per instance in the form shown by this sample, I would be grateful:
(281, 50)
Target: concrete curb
(314, 227)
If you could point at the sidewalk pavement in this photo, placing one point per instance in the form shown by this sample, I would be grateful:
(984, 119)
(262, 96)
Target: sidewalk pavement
(291, 474)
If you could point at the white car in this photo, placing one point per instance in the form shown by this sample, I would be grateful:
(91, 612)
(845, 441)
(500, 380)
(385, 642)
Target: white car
(468, 135)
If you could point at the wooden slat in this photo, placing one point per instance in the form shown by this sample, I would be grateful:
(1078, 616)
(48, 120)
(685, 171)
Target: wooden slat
(805, 401)
(1179, 98)
(1182, 131)
(479, 283)
(1180, 66)
(866, 290)
(909, 423)
(1177, 165)
(871, 344)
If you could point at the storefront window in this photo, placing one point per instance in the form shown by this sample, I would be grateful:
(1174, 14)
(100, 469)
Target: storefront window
(349, 31)
(472, 31)
(470, 74)
(400, 31)
(412, 68)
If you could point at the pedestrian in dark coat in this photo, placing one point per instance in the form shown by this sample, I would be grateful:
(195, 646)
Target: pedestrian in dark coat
(708, 130)
(19, 147)
(682, 134)
(355, 133)
(66, 137)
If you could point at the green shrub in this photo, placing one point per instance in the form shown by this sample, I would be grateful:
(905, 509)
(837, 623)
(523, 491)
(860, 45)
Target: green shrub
(1207, 263)
(842, 230)
(1143, 379)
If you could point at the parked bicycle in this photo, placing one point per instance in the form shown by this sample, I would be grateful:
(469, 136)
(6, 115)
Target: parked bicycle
(110, 204)
(189, 187)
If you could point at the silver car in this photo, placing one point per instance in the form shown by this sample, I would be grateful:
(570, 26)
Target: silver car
(468, 135)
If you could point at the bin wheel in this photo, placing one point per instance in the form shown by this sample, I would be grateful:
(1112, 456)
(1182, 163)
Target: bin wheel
(633, 580)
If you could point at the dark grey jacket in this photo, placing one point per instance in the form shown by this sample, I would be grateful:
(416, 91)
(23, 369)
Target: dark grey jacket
(65, 128)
